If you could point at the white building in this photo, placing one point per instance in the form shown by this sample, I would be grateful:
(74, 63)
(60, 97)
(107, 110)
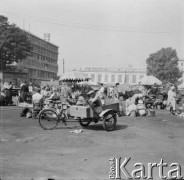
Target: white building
(181, 67)
(181, 64)
(114, 75)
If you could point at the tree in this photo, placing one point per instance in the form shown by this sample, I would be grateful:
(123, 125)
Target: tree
(14, 44)
(164, 65)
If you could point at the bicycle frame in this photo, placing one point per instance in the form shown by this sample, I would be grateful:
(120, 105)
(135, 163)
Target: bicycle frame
(58, 108)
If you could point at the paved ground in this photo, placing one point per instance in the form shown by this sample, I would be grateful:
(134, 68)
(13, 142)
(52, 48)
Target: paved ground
(28, 152)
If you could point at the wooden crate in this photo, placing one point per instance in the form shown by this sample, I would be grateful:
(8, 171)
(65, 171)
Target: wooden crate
(87, 112)
(81, 111)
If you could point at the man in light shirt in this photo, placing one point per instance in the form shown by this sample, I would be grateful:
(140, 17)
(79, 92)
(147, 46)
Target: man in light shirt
(95, 101)
(101, 93)
(37, 97)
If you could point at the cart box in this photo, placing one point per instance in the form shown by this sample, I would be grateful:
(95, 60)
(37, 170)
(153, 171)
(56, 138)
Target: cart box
(87, 112)
(81, 111)
(114, 106)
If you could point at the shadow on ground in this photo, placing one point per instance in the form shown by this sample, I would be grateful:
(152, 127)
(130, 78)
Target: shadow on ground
(99, 127)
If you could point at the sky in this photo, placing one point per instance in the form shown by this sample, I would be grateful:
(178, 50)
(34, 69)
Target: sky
(102, 33)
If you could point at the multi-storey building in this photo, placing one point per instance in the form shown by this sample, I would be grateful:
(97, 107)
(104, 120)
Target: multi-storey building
(42, 62)
(41, 65)
(114, 75)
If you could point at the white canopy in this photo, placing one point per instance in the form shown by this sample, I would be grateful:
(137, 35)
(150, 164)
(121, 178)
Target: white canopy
(150, 80)
(74, 76)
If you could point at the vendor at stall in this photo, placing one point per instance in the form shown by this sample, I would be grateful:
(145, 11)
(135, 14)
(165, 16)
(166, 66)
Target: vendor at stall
(141, 107)
(131, 108)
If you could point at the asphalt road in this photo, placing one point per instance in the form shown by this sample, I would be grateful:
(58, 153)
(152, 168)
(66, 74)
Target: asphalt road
(28, 152)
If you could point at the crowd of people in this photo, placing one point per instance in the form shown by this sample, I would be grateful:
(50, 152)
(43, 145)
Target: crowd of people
(70, 94)
(131, 103)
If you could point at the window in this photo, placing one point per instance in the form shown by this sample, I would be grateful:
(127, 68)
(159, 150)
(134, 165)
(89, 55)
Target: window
(141, 76)
(119, 78)
(92, 77)
(127, 79)
(106, 78)
(99, 78)
(134, 79)
(112, 78)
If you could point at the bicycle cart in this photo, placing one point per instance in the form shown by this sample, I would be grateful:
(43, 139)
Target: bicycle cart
(107, 114)
(49, 118)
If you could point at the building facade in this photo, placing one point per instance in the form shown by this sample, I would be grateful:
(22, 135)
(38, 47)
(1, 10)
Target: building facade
(181, 67)
(114, 75)
(42, 62)
(41, 65)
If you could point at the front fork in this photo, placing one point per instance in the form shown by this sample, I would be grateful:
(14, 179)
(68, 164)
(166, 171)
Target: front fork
(63, 119)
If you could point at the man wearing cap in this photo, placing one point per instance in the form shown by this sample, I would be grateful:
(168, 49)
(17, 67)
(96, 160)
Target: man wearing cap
(95, 101)
(94, 98)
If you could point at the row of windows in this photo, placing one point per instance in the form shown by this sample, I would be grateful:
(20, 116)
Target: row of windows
(120, 78)
(41, 74)
(43, 43)
(46, 59)
(45, 52)
(37, 64)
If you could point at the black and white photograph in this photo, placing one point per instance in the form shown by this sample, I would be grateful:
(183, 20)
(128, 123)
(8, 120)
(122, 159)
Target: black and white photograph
(91, 89)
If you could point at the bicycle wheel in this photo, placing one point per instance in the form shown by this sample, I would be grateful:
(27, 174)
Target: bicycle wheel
(48, 119)
(84, 122)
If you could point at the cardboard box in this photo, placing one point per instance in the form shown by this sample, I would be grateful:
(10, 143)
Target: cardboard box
(81, 111)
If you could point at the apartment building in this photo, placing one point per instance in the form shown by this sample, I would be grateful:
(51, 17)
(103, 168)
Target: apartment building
(41, 65)
(42, 62)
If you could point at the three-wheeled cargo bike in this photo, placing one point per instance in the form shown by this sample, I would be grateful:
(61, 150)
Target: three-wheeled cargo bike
(87, 114)
(49, 118)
